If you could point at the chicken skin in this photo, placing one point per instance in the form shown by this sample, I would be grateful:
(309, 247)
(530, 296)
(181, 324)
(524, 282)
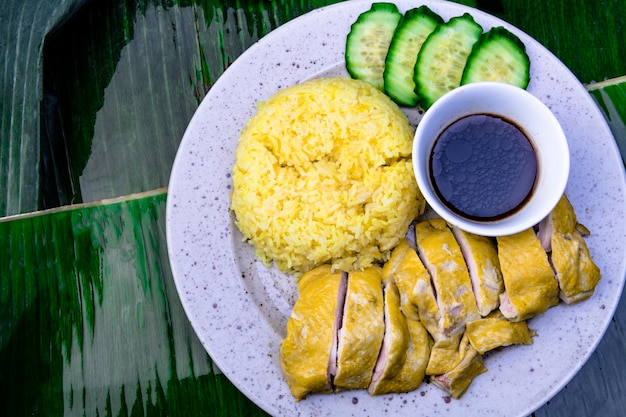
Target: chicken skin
(468, 366)
(404, 355)
(304, 353)
(452, 288)
(530, 286)
(362, 330)
(418, 299)
(413, 281)
(561, 237)
(442, 257)
(395, 342)
(495, 331)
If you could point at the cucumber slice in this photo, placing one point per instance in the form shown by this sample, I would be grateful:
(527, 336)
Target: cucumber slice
(441, 61)
(498, 55)
(412, 31)
(368, 42)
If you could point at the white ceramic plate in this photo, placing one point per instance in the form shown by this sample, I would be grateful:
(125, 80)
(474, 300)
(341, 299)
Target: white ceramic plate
(239, 308)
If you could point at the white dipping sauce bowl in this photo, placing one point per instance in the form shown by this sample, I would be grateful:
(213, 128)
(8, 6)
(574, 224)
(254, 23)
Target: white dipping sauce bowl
(530, 115)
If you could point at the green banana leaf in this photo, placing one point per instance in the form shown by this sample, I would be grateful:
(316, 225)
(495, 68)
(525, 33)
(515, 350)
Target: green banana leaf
(24, 25)
(90, 320)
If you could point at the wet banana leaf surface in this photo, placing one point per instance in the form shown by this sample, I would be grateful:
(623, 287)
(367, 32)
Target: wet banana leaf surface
(95, 98)
(91, 320)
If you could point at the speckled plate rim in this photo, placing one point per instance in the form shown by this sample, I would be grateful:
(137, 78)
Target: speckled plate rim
(238, 308)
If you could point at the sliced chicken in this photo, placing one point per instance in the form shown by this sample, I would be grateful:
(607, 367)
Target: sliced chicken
(561, 237)
(442, 257)
(452, 288)
(362, 330)
(418, 302)
(424, 295)
(393, 352)
(469, 365)
(496, 331)
(412, 373)
(305, 350)
(481, 257)
(406, 270)
(530, 286)
(444, 354)
(435, 307)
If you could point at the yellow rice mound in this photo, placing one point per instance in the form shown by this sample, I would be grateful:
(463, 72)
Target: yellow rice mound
(323, 174)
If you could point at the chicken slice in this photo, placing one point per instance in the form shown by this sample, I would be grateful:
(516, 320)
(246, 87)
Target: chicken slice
(405, 269)
(450, 283)
(362, 330)
(496, 331)
(444, 354)
(481, 258)
(305, 350)
(418, 302)
(395, 342)
(530, 286)
(580, 287)
(569, 255)
(442, 257)
(410, 374)
(466, 369)
(423, 295)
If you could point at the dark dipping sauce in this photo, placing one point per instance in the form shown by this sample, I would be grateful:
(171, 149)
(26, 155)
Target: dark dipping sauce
(483, 167)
